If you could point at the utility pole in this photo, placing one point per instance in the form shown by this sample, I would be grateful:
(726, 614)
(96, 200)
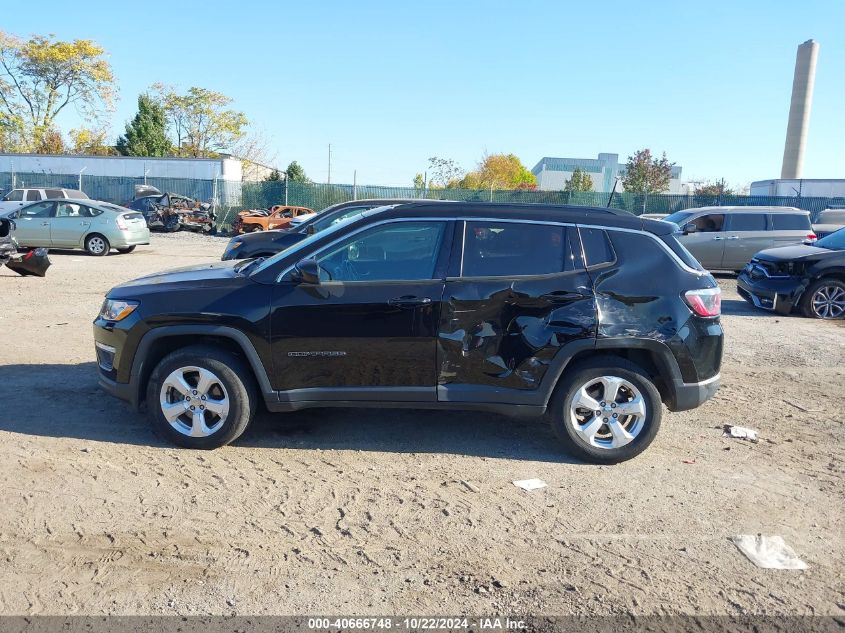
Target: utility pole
(80, 176)
(329, 181)
(355, 185)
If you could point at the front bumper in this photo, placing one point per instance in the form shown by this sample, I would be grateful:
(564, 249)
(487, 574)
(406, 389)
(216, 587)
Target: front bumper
(112, 368)
(776, 294)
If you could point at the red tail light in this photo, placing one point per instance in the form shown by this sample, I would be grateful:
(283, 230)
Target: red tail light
(121, 223)
(706, 302)
(812, 236)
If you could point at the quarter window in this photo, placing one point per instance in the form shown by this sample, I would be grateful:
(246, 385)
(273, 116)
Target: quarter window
(748, 222)
(790, 222)
(507, 249)
(597, 248)
(404, 251)
(52, 194)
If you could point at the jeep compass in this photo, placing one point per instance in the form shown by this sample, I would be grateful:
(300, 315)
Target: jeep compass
(590, 318)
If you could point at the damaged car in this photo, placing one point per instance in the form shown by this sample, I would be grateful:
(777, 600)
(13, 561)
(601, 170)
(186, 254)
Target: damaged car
(29, 261)
(170, 212)
(278, 216)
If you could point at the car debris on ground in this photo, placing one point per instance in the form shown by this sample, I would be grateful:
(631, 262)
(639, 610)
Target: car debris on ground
(29, 261)
(530, 484)
(740, 432)
(279, 216)
(768, 552)
(170, 212)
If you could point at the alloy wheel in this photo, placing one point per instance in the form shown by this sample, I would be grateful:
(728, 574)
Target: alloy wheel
(829, 302)
(97, 245)
(194, 401)
(607, 412)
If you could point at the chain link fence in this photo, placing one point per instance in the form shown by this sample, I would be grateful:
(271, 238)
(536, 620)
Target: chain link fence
(230, 197)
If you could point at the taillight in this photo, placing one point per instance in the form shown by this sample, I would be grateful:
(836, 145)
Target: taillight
(121, 223)
(811, 237)
(706, 302)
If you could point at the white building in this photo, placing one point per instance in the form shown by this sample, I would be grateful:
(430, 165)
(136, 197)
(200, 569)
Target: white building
(552, 173)
(225, 168)
(804, 187)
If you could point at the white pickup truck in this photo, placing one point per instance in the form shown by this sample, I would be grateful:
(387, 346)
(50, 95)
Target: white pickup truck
(16, 198)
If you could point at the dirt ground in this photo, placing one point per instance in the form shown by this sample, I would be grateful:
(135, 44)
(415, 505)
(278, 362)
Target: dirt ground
(367, 512)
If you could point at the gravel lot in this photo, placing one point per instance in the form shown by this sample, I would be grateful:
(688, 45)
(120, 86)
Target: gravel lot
(367, 512)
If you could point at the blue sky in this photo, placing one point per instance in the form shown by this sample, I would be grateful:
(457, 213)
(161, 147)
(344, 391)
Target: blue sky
(389, 84)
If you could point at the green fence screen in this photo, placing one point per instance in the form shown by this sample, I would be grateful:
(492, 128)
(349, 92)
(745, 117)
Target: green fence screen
(230, 197)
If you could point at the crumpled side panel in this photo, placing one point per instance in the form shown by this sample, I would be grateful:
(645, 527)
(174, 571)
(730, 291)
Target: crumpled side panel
(505, 333)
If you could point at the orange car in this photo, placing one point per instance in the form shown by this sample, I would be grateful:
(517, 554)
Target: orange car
(277, 217)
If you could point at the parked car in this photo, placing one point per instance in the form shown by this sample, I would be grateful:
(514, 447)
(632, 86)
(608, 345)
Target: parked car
(16, 198)
(25, 262)
(522, 309)
(268, 243)
(96, 227)
(653, 216)
(726, 238)
(829, 221)
(808, 278)
(276, 217)
(171, 212)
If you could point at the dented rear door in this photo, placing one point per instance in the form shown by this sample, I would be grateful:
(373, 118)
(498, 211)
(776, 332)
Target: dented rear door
(518, 295)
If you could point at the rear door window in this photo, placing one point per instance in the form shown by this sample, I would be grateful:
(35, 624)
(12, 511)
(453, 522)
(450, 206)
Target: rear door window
(508, 249)
(790, 222)
(747, 222)
(33, 194)
(597, 247)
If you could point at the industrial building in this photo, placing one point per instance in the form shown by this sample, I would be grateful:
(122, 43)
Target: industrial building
(225, 168)
(552, 173)
(803, 187)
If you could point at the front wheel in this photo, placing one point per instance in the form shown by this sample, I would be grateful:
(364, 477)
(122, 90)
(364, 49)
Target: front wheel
(201, 397)
(606, 410)
(97, 245)
(824, 299)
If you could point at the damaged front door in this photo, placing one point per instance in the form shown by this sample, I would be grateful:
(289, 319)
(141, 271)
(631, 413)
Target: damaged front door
(520, 295)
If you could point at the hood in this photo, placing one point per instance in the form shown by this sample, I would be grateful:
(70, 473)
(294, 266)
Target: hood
(200, 276)
(792, 253)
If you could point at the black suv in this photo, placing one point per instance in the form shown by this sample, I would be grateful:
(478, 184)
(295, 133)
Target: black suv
(589, 316)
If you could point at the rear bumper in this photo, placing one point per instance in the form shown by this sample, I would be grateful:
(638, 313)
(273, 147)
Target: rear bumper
(779, 295)
(691, 395)
(135, 238)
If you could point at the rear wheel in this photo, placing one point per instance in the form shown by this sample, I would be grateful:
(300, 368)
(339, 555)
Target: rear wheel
(606, 410)
(201, 397)
(128, 249)
(256, 228)
(825, 299)
(97, 245)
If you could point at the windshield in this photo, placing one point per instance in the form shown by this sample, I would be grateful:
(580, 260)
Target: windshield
(306, 242)
(834, 241)
(678, 217)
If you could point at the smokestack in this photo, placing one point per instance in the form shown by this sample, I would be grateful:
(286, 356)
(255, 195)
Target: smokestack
(799, 110)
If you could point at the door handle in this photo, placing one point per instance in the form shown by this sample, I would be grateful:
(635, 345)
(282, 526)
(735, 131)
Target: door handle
(408, 301)
(717, 238)
(45, 224)
(733, 237)
(562, 297)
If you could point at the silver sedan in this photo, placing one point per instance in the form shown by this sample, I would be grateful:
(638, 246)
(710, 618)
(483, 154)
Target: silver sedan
(94, 226)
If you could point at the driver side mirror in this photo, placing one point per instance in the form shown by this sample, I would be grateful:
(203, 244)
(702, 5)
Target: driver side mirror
(690, 228)
(308, 271)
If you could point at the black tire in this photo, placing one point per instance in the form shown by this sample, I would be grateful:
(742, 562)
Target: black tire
(97, 245)
(256, 228)
(126, 250)
(806, 303)
(231, 372)
(583, 373)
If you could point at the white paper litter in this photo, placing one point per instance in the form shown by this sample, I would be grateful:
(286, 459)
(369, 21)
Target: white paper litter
(768, 552)
(740, 432)
(530, 484)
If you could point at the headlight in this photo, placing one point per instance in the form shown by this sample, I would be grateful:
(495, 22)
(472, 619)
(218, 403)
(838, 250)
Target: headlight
(117, 310)
(233, 245)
